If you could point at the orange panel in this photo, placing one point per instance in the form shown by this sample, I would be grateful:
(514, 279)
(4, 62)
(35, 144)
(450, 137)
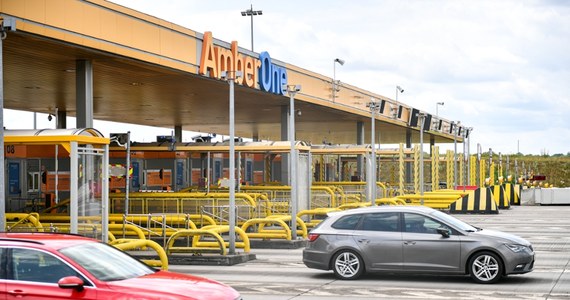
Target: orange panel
(166, 154)
(16, 151)
(153, 178)
(62, 182)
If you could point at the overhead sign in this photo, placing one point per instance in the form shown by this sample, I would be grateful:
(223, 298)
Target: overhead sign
(256, 73)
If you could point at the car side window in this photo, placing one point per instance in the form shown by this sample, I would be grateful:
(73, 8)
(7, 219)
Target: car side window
(2, 263)
(388, 221)
(421, 224)
(347, 222)
(38, 266)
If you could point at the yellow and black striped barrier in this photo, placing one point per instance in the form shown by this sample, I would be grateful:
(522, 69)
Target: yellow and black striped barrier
(514, 193)
(501, 198)
(479, 201)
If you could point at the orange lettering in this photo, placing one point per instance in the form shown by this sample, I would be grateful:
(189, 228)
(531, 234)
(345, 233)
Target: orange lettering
(208, 60)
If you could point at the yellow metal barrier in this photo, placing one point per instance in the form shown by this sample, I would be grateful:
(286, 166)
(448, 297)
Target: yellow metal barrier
(176, 203)
(433, 200)
(25, 220)
(275, 233)
(354, 205)
(315, 216)
(390, 201)
(132, 244)
(126, 230)
(347, 187)
(220, 229)
(170, 248)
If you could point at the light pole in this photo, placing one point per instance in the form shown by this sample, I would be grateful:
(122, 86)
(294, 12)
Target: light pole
(250, 12)
(437, 106)
(231, 76)
(455, 131)
(421, 119)
(399, 90)
(341, 62)
(373, 105)
(292, 90)
(468, 138)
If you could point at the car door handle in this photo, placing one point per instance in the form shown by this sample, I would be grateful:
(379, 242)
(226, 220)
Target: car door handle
(17, 293)
(363, 241)
(411, 243)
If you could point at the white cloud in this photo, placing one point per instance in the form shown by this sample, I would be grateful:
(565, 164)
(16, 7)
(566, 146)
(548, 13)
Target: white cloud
(502, 67)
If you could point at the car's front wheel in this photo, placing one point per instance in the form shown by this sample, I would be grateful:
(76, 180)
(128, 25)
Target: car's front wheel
(347, 265)
(486, 267)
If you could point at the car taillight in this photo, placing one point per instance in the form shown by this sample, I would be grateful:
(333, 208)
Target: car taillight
(313, 237)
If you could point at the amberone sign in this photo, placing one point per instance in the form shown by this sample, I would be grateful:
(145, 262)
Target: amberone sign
(257, 73)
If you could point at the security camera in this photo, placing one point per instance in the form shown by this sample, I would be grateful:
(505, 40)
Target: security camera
(50, 117)
(400, 89)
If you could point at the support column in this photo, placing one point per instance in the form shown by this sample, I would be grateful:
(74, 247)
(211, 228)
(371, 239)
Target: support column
(431, 144)
(61, 119)
(84, 92)
(360, 157)
(178, 133)
(285, 137)
(408, 164)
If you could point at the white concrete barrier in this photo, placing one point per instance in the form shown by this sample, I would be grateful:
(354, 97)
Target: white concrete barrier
(552, 196)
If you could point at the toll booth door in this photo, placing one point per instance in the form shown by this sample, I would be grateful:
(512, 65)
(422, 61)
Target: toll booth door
(248, 171)
(181, 176)
(137, 175)
(14, 183)
(218, 169)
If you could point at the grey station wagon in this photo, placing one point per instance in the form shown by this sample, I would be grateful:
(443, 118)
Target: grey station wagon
(413, 239)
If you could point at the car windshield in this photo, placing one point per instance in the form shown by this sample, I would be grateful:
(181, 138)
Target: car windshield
(454, 222)
(105, 262)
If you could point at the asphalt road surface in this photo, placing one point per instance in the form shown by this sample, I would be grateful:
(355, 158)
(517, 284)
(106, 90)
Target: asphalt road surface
(281, 274)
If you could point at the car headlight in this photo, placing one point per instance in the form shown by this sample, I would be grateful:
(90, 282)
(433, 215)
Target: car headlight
(516, 248)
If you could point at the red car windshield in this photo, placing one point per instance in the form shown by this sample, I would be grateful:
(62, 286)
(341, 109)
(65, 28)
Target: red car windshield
(105, 262)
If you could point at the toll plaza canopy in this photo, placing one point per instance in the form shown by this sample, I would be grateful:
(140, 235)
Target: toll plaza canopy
(94, 59)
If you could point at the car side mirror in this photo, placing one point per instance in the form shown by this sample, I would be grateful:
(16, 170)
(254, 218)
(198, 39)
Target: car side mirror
(444, 232)
(71, 282)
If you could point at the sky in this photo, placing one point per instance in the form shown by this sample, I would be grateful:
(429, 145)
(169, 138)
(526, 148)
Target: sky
(501, 67)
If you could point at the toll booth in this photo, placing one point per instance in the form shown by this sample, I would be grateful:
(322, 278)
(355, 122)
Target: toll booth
(204, 166)
(345, 165)
(50, 166)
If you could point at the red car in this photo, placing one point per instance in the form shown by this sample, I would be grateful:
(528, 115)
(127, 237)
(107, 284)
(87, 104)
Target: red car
(64, 266)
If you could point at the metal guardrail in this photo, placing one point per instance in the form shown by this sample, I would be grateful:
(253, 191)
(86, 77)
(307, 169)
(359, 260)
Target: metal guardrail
(274, 227)
(134, 244)
(215, 244)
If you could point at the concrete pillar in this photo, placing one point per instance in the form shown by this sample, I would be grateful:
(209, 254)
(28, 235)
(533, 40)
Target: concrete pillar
(178, 133)
(61, 119)
(285, 137)
(84, 92)
(360, 157)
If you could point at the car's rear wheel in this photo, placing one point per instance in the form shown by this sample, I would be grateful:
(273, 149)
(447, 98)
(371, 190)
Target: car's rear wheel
(486, 267)
(347, 265)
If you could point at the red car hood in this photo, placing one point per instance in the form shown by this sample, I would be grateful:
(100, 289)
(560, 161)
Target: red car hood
(167, 285)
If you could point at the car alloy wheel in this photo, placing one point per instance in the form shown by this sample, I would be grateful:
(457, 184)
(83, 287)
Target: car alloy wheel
(486, 267)
(347, 265)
